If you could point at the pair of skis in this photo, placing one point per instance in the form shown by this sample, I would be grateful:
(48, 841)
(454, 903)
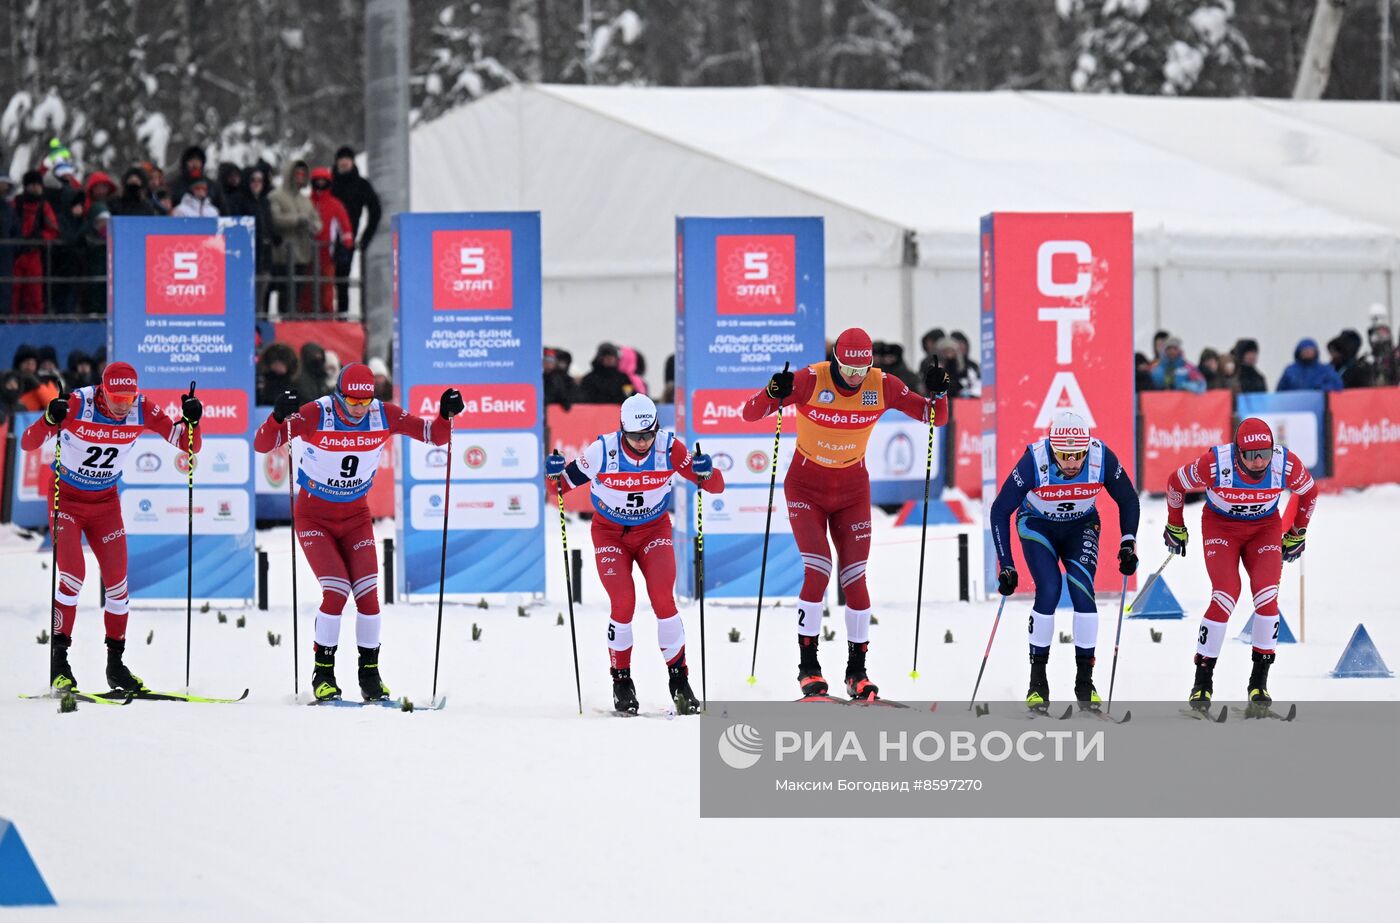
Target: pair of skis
(126, 697)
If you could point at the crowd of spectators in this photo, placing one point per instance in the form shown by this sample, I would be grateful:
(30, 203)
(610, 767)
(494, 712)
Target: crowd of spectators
(35, 377)
(309, 225)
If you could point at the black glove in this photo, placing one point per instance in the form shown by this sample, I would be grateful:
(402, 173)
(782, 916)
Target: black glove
(450, 404)
(937, 381)
(58, 409)
(287, 404)
(780, 385)
(1127, 558)
(1006, 581)
(191, 407)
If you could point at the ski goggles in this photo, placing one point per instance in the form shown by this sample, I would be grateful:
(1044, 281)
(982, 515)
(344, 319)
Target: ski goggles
(852, 371)
(644, 436)
(357, 401)
(1256, 455)
(1061, 456)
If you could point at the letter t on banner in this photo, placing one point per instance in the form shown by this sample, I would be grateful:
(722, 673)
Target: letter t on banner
(1057, 334)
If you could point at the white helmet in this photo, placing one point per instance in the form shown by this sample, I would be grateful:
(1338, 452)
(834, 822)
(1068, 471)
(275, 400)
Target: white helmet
(639, 415)
(1068, 432)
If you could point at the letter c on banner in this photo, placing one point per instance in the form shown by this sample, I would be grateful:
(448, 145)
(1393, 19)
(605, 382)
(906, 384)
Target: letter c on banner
(1044, 268)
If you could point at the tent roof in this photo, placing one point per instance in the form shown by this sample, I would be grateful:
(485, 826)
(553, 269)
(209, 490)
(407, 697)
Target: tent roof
(1260, 182)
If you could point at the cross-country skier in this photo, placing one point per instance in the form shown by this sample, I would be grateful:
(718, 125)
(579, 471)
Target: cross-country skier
(827, 486)
(1242, 481)
(342, 437)
(1054, 490)
(630, 473)
(96, 426)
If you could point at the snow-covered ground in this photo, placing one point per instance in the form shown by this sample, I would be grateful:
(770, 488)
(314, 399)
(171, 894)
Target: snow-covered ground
(509, 806)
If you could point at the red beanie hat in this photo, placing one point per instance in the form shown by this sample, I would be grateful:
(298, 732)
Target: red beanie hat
(1254, 433)
(119, 378)
(853, 347)
(356, 380)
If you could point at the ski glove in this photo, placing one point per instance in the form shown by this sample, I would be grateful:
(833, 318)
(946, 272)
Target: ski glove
(287, 404)
(553, 465)
(937, 381)
(58, 409)
(1006, 581)
(1127, 558)
(780, 385)
(702, 465)
(191, 407)
(1175, 538)
(450, 404)
(1293, 541)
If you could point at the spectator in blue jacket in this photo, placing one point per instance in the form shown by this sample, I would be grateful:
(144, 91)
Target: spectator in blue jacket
(1173, 373)
(1307, 373)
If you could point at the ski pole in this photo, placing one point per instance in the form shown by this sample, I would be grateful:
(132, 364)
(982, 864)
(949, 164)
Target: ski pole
(1117, 636)
(442, 564)
(292, 502)
(986, 654)
(700, 581)
(569, 589)
(767, 527)
(54, 616)
(1151, 580)
(189, 546)
(923, 542)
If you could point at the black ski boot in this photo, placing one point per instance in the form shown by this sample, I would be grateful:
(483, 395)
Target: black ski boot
(1084, 692)
(1204, 687)
(118, 676)
(809, 671)
(323, 684)
(1259, 698)
(372, 688)
(1038, 694)
(624, 692)
(681, 694)
(60, 673)
(858, 684)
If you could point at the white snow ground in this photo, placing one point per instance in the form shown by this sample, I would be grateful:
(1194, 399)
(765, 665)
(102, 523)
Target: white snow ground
(509, 806)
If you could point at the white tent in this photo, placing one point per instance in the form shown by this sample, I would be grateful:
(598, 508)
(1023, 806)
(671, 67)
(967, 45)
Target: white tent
(1260, 218)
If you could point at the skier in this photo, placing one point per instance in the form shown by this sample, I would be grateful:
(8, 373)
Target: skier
(342, 436)
(1242, 481)
(630, 473)
(1054, 490)
(827, 485)
(97, 426)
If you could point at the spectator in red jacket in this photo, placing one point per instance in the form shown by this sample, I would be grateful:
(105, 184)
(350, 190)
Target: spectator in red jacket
(37, 222)
(335, 230)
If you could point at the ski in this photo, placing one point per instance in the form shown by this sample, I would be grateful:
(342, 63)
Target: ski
(887, 703)
(1095, 713)
(1252, 713)
(104, 698)
(1044, 712)
(823, 698)
(666, 713)
(152, 695)
(435, 705)
(1203, 714)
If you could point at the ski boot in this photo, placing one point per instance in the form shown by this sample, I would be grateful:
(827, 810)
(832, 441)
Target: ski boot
(323, 684)
(118, 676)
(1038, 695)
(372, 688)
(809, 671)
(1084, 692)
(60, 673)
(858, 685)
(1259, 698)
(1205, 683)
(681, 694)
(624, 692)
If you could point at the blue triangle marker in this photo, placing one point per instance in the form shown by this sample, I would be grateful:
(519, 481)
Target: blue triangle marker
(1158, 603)
(1361, 660)
(1285, 634)
(21, 885)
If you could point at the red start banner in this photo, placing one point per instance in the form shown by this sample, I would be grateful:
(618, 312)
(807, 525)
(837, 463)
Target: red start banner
(500, 406)
(1177, 427)
(967, 452)
(225, 409)
(720, 411)
(1365, 436)
(185, 274)
(1057, 334)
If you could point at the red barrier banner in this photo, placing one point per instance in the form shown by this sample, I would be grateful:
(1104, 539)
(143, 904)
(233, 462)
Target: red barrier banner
(967, 453)
(1057, 334)
(571, 431)
(1365, 436)
(1177, 427)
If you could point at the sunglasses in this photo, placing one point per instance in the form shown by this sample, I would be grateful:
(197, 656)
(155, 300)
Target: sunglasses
(1070, 456)
(648, 436)
(852, 371)
(1257, 455)
(358, 401)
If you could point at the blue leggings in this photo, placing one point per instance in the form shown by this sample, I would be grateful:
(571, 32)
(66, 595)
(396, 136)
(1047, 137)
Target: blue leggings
(1046, 544)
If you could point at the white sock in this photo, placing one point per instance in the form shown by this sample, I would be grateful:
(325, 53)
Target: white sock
(857, 625)
(367, 630)
(809, 618)
(1042, 628)
(1086, 629)
(1263, 632)
(1211, 637)
(619, 635)
(670, 634)
(327, 629)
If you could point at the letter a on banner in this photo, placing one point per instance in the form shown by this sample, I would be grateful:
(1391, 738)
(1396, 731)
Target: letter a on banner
(467, 316)
(1057, 334)
(181, 311)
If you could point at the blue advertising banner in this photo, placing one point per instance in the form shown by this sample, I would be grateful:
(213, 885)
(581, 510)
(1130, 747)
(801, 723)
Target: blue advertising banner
(1297, 419)
(181, 310)
(750, 295)
(467, 315)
